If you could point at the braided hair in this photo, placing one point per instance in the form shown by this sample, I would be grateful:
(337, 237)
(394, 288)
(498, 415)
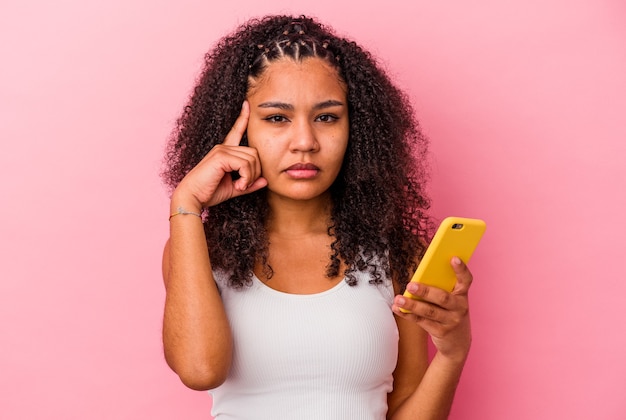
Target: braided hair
(378, 216)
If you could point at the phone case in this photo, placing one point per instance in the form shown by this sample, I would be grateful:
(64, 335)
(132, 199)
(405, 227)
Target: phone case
(456, 236)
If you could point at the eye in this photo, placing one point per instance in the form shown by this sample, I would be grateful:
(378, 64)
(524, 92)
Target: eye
(276, 119)
(327, 118)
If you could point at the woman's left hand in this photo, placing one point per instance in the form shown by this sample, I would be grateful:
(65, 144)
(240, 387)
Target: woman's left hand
(444, 316)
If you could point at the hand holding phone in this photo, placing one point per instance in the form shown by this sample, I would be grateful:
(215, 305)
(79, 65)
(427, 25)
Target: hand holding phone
(456, 236)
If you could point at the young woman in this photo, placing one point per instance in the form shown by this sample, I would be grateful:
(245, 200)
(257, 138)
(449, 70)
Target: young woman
(297, 219)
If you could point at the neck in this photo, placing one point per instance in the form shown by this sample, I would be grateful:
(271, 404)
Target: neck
(295, 218)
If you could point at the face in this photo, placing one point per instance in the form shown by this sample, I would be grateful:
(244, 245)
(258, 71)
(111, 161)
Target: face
(299, 126)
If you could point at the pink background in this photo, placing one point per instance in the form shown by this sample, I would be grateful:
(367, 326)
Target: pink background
(525, 106)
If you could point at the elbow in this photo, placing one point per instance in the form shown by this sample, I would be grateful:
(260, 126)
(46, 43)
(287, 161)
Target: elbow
(202, 378)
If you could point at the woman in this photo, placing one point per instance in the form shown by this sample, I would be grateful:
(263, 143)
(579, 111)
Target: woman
(297, 219)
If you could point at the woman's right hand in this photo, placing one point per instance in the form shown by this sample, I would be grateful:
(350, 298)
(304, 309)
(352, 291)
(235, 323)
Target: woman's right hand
(210, 183)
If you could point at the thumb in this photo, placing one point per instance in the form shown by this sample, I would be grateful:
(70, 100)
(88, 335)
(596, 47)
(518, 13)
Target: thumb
(463, 276)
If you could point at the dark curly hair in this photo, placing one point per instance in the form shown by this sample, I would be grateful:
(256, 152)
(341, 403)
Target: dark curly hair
(378, 217)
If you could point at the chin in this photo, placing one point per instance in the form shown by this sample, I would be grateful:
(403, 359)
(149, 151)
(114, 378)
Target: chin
(301, 194)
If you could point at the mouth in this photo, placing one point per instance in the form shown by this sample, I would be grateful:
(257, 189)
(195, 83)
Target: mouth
(302, 171)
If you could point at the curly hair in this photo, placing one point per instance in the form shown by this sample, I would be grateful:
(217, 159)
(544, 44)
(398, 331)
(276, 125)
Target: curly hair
(378, 216)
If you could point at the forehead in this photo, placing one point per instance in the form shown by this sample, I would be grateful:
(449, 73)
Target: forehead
(287, 78)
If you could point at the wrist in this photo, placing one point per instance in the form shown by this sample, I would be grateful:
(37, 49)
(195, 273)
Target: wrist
(452, 362)
(182, 212)
(184, 203)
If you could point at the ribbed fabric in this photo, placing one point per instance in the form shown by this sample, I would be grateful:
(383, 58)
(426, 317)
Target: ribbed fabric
(326, 356)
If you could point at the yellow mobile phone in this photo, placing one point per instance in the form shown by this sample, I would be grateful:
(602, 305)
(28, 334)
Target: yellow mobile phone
(456, 236)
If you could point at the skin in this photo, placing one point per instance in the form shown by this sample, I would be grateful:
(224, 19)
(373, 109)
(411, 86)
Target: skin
(445, 317)
(296, 114)
(299, 126)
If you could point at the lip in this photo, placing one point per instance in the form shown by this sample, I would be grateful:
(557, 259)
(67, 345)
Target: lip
(302, 171)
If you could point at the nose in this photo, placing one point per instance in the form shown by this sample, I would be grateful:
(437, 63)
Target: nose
(303, 138)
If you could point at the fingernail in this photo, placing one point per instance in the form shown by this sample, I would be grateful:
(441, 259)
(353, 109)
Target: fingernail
(412, 287)
(401, 301)
(456, 261)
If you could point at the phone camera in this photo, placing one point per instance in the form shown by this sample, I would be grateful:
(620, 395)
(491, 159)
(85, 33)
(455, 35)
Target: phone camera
(457, 226)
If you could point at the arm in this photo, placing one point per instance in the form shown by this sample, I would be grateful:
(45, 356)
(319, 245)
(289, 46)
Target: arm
(196, 335)
(422, 390)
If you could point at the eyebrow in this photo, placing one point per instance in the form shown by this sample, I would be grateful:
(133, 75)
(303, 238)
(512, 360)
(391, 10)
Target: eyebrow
(288, 107)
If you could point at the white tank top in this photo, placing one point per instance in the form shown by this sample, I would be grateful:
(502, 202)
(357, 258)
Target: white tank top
(323, 356)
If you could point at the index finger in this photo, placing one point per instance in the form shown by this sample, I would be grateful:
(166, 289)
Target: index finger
(233, 138)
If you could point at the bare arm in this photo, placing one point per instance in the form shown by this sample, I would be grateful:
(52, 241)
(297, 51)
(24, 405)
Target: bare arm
(428, 392)
(196, 335)
(412, 363)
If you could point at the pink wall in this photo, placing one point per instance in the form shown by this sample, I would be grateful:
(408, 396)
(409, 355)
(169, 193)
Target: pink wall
(524, 104)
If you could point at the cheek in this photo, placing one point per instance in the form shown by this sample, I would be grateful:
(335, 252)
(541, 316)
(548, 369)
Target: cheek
(341, 139)
(266, 150)
(340, 146)
(257, 140)
(336, 163)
